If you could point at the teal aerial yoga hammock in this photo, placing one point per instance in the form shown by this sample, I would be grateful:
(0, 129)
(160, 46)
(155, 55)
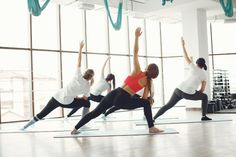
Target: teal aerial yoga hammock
(116, 25)
(164, 1)
(228, 9)
(35, 8)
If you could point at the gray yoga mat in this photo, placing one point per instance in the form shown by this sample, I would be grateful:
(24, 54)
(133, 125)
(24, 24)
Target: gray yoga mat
(183, 121)
(115, 133)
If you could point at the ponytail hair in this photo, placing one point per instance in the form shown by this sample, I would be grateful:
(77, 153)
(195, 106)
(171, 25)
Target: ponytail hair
(111, 77)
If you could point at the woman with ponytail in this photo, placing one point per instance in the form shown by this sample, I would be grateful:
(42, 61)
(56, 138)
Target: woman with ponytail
(188, 89)
(122, 97)
(107, 83)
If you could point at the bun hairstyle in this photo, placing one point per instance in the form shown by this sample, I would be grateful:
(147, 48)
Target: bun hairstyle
(201, 63)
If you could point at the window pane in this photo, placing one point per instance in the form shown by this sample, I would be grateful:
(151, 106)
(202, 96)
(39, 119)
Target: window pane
(45, 29)
(227, 61)
(142, 62)
(15, 98)
(97, 34)
(153, 38)
(224, 37)
(14, 23)
(72, 26)
(158, 86)
(133, 24)
(46, 79)
(97, 66)
(173, 71)
(171, 35)
(120, 68)
(119, 39)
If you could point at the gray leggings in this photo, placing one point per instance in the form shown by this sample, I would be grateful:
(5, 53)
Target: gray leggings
(178, 95)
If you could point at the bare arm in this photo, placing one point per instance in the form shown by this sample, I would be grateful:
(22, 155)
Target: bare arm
(203, 86)
(186, 57)
(146, 92)
(80, 54)
(104, 65)
(136, 49)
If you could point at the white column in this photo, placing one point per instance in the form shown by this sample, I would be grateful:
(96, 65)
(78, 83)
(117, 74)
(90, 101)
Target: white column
(195, 34)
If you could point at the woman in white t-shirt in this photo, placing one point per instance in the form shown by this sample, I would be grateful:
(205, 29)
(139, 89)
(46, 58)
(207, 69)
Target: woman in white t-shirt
(104, 84)
(188, 88)
(66, 97)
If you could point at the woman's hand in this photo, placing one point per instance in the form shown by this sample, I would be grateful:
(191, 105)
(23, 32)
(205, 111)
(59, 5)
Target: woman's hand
(138, 32)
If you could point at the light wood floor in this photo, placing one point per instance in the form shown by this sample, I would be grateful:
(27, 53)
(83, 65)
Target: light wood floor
(215, 139)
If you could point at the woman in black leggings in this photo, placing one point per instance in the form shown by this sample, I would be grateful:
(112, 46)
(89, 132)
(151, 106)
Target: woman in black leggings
(67, 97)
(188, 88)
(122, 96)
(104, 84)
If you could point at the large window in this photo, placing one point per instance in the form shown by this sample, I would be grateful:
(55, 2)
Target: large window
(15, 82)
(118, 39)
(97, 31)
(224, 37)
(72, 27)
(45, 30)
(171, 43)
(14, 23)
(46, 79)
(153, 38)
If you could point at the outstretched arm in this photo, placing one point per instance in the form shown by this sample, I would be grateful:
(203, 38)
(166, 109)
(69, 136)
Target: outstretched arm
(104, 65)
(138, 33)
(80, 54)
(186, 57)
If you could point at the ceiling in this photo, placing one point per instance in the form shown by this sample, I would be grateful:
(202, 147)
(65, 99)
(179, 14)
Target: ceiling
(153, 9)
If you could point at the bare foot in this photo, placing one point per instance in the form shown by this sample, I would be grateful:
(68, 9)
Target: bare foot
(154, 130)
(74, 132)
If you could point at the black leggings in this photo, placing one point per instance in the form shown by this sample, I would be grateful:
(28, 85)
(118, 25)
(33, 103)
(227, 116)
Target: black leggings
(114, 108)
(178, 95)
(53, 104)
(96, 98)
(121, 99)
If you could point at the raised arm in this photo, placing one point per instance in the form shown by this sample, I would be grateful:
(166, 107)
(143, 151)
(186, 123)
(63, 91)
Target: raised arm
(138, 33)
(186, 57)
(80, 54)
(104, 65)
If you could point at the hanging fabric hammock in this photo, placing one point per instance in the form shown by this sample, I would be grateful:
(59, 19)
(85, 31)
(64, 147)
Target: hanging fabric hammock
(228, 8)
(116, 25)
(164, 2)
(35, 8)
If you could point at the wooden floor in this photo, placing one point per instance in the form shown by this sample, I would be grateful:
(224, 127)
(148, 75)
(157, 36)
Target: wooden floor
(215, 139)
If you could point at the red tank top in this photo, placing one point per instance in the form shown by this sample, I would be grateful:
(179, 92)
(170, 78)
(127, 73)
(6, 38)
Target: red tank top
(132, 81)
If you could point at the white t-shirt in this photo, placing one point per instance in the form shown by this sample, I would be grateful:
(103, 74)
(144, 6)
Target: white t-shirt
(77, 86)
(193, 80)
(100, 87)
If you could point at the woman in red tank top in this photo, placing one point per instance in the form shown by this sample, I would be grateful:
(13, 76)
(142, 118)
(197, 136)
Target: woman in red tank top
(122, 97)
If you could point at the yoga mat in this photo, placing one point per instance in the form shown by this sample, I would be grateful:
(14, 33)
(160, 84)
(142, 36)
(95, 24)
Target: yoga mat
(127, 120)
(115, 133)
(182, 121)
(5, 131)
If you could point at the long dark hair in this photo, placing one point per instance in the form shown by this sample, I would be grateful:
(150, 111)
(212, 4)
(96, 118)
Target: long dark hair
(111, 77)
(151, 72)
